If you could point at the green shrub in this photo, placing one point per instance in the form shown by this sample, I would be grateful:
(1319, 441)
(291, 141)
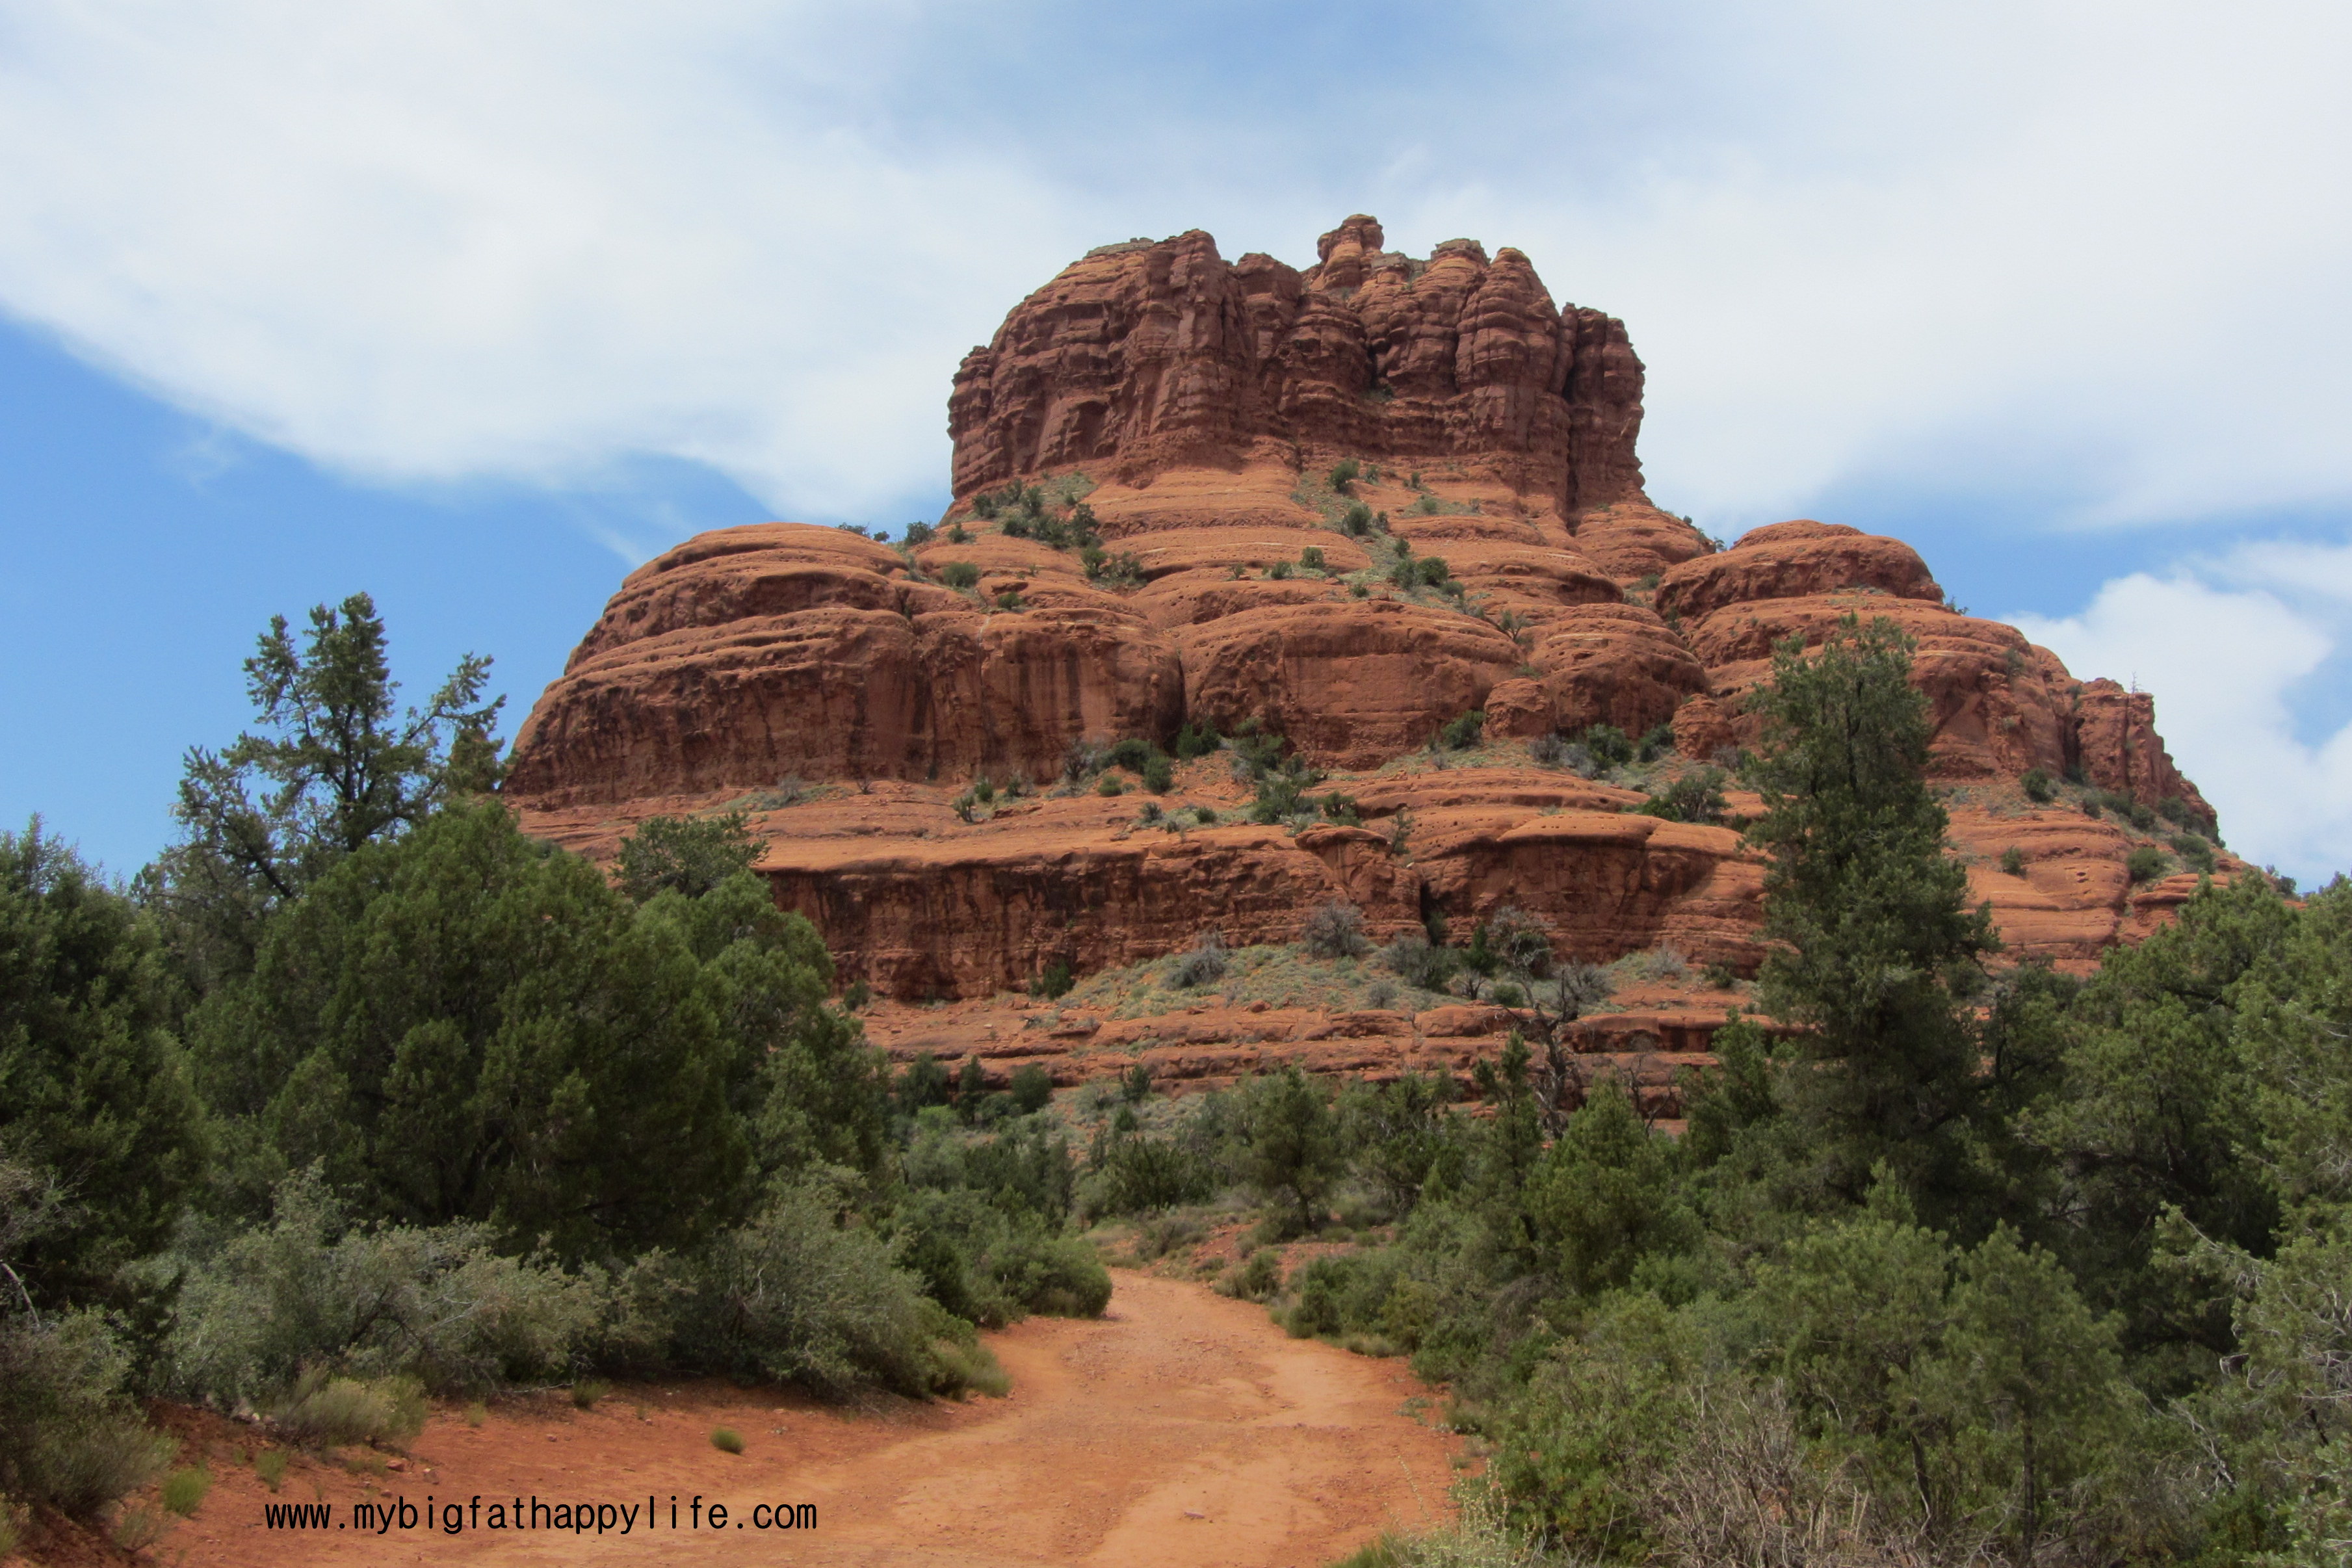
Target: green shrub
(1206, 815)
(2194, 851)
(1139, 1173)
(1279, 571)
(960, 574)
(1010, 600)
(1697, 796)
(1462, 733)
(725, 1439)
(2146, 863)
(311, 1293)
(1032, 1087)
(2037, 785)
(1160, 774)
(1610, 746)
(1204, 964)
(2012, 860)
(588, 1392)
(797, 1296)
(270, 1464)
(1196, 740)
(69, 1435)
(920, 533)
(1343, 475)
(185, 1490)
(1312, 558)
(1259, 1279)
(1054, 982)
(322, 1411)
(1432, 570)
(1335, 930)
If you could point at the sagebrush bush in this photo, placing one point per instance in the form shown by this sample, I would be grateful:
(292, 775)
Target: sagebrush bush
(960, 574)
(1206, 962)
(322, 1411)
(1335, 930)
(2037, 785)
(184, 1489)
(2146, 863)
(309, 1289)
(1462, 733)
(796, 1295)
(1420, 962)
(69, 1436)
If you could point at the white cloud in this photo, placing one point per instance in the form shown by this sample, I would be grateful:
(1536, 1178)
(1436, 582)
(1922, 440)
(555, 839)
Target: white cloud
(2091, 238)
(2225, 644)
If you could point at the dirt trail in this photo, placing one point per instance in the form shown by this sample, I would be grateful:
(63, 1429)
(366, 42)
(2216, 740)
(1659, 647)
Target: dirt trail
(1181, 1428)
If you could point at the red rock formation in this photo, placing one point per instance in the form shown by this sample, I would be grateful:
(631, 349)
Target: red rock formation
(1199, 408)
(1142, 357)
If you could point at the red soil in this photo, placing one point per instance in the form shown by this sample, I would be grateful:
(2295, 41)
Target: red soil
(1180, 1428)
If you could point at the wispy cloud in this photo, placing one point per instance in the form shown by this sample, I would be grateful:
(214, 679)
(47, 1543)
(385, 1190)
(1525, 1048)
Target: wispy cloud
(2230, 645)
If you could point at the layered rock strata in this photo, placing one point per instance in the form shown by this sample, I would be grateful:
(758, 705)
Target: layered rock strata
(851, 694)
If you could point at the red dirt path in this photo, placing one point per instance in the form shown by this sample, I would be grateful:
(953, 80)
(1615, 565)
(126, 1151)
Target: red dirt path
(1181, 1428)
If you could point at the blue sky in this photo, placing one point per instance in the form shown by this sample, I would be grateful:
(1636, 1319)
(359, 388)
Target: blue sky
(474, 306)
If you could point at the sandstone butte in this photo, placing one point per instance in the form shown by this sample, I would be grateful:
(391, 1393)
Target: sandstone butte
(842, 691)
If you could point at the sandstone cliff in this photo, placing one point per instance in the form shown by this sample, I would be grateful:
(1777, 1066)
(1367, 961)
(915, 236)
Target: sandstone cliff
(1348, 505)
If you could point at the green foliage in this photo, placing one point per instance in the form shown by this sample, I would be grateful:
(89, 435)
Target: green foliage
(2146, 863)
(2012, 861)
(1697, 796)
(1032, 1086)
(335, 767)
(1461, 733)
(1160, 774)
(1054, 982)
(960, 575)
(1312, 558)
(1875, 950)
(1344, 474)
(1335, 930)
(725, 1439)
(1288, 1144)
(69, 1436)
(801, 1294)
(1196, 740)
(2037, 785)
(322, 1411)
(2194, 851)
(1602, 1198)
(920, 533)
(1610, 747)
(96, 1103)
(313, 1290)
(686, 854)
(1279, 571)
(467, 1025)
(1357, 521)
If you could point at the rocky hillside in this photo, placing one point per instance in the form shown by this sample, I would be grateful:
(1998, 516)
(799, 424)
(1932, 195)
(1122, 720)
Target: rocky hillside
(1347, 506)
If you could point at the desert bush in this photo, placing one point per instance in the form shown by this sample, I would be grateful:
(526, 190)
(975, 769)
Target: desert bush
(1312, 558)
(1335, 930)
(960, 575)
(2146, 863)
(1143, 1174)
(1462, 733)
(69, 1436)
(920, 533)
(1697, 796)
(2194, 851)
(1032, 1087)
(324, 1411)
(1204, 964)
(1279, 571)
(1344, 474)
(2012, 860)
(797, 1296)
(312, 1291)
(1135, 1084)
(589, 1392)
(1196, 740)
(1433, 571)
(1420, 962)
(2037, 785)
(1257, 1279)
(725, 1439)
(271, 1463)
(1054, 982)
(1610, 747)
(1160, 774)
(1662, 962)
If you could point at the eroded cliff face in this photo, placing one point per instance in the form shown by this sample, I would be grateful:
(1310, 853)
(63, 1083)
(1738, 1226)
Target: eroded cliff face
(1492, 553)
(1143, 357)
